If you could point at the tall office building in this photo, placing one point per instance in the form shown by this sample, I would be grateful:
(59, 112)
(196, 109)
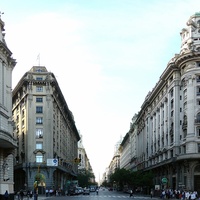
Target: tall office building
(7, 142)
(45, 131)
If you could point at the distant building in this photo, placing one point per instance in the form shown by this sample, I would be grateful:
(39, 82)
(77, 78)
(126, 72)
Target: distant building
(165, 135)
(84, 166)
(7, 142)
(114, 164)
(45, 131)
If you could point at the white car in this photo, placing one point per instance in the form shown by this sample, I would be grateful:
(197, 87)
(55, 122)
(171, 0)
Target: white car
(79, 190)
(86, 191)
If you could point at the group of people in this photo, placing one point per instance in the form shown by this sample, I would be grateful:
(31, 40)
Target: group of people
(51, 192)
(21, 194)
(179, 194)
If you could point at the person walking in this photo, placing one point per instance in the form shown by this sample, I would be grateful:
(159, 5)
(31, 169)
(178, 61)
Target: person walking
(6, 195)
(131, 193)
(21, 194)
(47, 192)
(151, 193)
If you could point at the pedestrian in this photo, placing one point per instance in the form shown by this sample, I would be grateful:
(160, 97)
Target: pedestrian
(47, 192)
(6, 195)
(21, 194)
(151, 193)
(31, 194)
(131, 193)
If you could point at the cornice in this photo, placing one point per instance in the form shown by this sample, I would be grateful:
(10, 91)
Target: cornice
(182, 59)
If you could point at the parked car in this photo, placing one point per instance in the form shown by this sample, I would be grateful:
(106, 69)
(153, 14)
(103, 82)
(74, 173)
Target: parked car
(86, 191)
(79, 190)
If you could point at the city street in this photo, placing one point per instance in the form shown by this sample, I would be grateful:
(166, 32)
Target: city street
(107, 195)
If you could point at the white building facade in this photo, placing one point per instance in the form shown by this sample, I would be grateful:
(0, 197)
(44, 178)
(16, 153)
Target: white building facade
(7, 141)
(167, 128)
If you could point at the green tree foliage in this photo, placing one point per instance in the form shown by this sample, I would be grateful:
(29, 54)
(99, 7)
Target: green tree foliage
(140, 178)
(84, 178)
(127, 177)
(121, 177)
(105, 184)
(39, 177)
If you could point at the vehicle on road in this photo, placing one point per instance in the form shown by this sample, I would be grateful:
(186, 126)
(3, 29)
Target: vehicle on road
(78, 190)
(86, 191)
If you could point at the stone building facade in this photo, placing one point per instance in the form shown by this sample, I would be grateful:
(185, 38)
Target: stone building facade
(84, 165)
(166, 131)
(45, 131)
(7, 141)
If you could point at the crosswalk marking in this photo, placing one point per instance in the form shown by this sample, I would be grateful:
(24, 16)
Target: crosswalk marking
(114, 196)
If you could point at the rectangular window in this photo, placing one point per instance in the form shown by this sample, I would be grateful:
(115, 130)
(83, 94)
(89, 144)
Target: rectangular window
(172, 104)
(39, 99)
(39, 145)
(39, 78)
(184, 149)
(172, 93)
(39, 89)
(39, 158)
(198, 148)
(198, 131)
(22, 123)
(39, 133)
(39, 109)
(171, 153)
(198, 91)
(39, 120)
(23, 113)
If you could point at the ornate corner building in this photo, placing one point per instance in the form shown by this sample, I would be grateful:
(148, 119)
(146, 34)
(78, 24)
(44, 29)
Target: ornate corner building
(165, 135)
(7, 141)
(46, 133)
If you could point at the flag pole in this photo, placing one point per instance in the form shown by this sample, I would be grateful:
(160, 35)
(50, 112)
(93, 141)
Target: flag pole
(38, 58)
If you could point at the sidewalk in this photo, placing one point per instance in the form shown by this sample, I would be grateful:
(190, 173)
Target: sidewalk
(40, 197)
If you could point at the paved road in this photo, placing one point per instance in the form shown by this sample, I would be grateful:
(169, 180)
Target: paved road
(103, 195)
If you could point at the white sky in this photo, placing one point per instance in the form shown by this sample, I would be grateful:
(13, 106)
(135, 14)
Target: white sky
(106, 55)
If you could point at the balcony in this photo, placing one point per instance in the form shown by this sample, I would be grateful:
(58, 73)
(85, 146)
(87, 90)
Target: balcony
(7, 141)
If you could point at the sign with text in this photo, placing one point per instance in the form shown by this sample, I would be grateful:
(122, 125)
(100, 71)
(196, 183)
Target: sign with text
(52, 162)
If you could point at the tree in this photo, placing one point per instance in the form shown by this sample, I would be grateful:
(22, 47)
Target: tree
(121, 177)
(84, 177)
(132, 178)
